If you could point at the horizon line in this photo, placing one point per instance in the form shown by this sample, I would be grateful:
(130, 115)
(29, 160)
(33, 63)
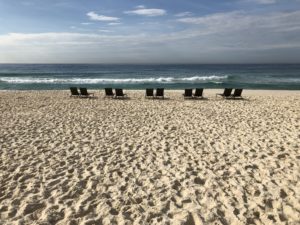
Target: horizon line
(282, 63)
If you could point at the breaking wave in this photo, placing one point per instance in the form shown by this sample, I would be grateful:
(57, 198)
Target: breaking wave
(35, 80)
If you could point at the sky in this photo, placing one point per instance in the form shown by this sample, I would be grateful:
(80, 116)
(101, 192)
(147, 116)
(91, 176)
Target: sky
(144, 31)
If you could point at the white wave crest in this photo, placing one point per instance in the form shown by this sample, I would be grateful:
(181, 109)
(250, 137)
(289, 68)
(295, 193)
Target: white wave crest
(35, 80)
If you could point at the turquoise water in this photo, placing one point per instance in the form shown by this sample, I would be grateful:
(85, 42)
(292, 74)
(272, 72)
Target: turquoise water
(97, 76)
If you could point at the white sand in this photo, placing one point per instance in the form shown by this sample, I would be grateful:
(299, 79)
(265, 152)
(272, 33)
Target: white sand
(78, 161)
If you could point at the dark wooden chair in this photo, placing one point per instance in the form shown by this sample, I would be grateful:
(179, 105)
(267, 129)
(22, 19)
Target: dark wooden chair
(109, 93)
(188, 93)
(149, 93)
(226, 93)
(160, 93)
(85, 94)
(74, 92)
(198, 93)
(119, 93)
(237, 93)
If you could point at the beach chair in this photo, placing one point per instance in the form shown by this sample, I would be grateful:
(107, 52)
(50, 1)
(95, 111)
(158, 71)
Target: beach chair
(188, 93)
(109, 93)
(226, 93)
(74, 92)
(149, 93)
(160, 93)
(198, 93)
(119, 93)
(85, 94)
(237, 93)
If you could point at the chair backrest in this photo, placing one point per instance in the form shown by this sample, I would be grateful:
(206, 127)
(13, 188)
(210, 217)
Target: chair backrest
(199, 92)
(74, 91)
(237, 92)
(109, 92)
(227, 92)
(149, 92)
(160, 92)
(83, 91)
(188, 92)
(119, 92)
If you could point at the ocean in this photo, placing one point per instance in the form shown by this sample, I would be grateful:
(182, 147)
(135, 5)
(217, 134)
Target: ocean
(98, 76)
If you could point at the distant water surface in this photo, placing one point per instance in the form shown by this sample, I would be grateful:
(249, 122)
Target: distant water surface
(97, 76)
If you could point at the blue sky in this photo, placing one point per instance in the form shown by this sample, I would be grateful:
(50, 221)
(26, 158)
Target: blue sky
(156, 31)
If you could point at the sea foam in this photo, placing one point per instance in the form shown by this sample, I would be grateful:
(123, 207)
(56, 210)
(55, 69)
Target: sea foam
(42, 80)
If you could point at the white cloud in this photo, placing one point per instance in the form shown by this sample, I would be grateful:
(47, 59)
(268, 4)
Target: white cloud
(240, 20)
(141, 10)
(63, 38)
(183, 14)
(140, 7)
(266, 1)
(223, 37)
(95, 16)
(86, 24)
(105, 31)
(114, 24)
(217, 18)
(263, 2)
(232, 25)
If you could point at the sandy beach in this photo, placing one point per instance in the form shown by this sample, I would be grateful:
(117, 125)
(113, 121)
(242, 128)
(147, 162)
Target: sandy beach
(102, 161)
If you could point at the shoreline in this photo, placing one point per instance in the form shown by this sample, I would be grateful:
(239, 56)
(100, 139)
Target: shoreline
(210, 90)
